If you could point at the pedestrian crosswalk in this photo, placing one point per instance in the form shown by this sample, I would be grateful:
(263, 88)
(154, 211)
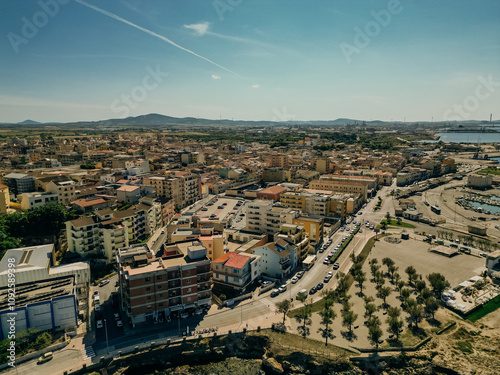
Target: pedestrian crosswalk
(87, 353)
(270, 304)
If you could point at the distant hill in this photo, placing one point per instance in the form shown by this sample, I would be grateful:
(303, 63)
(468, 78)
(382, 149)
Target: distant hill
(29, 122)
(158, 120)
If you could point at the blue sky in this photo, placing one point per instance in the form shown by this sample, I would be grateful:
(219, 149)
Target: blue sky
(72, 60)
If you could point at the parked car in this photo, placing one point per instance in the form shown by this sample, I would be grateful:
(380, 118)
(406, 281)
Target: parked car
(45, 358)
(99, 324)
(300, 274)
(104, 282)
(336, 266)
(295, 279)
(282, 288)
(319, 286)
(275, 292)
(326, 260)
(117, 316)
(303, 292)
(97, 307)
(119, 323)
(312, 290)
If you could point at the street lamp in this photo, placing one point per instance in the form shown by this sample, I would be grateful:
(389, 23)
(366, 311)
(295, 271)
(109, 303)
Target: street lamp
(106, 330)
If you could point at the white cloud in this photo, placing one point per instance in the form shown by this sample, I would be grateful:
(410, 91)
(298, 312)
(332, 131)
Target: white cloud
(255, 86)
(200, 29)
(215, 76)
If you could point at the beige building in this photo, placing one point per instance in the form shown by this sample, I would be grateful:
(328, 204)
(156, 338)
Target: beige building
(351, 187)
(262, 217)
(4, 198)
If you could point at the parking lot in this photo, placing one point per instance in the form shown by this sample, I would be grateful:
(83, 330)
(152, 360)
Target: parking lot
(220, 209)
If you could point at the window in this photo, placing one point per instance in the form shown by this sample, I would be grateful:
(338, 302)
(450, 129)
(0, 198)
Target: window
(147, 279)
(188, 281)
(159, 286)
(149, 298)
(160, 304)
(158, 277)
(148, 288)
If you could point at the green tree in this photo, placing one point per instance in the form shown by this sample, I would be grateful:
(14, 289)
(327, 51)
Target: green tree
(327, 315)
(394, 325)
(384, 292)
(412, 274)
(431, 306)
(388, 217)
(284, 307)
(405, 295)
(370, 309)
(303, 317)
(348, 319)
(360, 278)
(374, 332)
(388, 262)
(416, 313)
(438, 283)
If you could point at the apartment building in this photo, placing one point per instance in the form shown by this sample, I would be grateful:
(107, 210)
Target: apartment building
(312, 203)
(350, 187)
(410, 175)
(278, 259)
(263, 217)
(313, 226)
(106, 231)
(297, 237)
(63, 186)
(235, 270)
(153, 286)
(280, 161)
(183, 190)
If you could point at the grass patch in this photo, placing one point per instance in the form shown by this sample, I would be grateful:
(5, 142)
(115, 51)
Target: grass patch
(490, 170)
(485, 309)
(395, 224)
(465, 346)
(409, 338)
(278, 340)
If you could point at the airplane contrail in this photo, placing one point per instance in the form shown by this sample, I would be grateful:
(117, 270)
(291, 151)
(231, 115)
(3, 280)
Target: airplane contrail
(118, 18)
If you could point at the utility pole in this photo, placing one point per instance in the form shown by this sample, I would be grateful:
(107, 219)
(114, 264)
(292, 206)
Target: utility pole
(106, 329)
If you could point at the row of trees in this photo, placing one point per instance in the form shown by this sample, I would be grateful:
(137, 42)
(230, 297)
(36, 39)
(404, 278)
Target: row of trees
(480, 243)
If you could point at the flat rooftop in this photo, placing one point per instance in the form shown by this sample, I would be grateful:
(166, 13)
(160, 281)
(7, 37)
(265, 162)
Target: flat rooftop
(39, 291)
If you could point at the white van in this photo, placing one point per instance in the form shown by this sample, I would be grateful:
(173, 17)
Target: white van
(302, 292)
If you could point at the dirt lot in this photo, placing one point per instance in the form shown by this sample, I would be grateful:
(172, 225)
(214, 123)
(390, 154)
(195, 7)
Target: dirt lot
(415, 253)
